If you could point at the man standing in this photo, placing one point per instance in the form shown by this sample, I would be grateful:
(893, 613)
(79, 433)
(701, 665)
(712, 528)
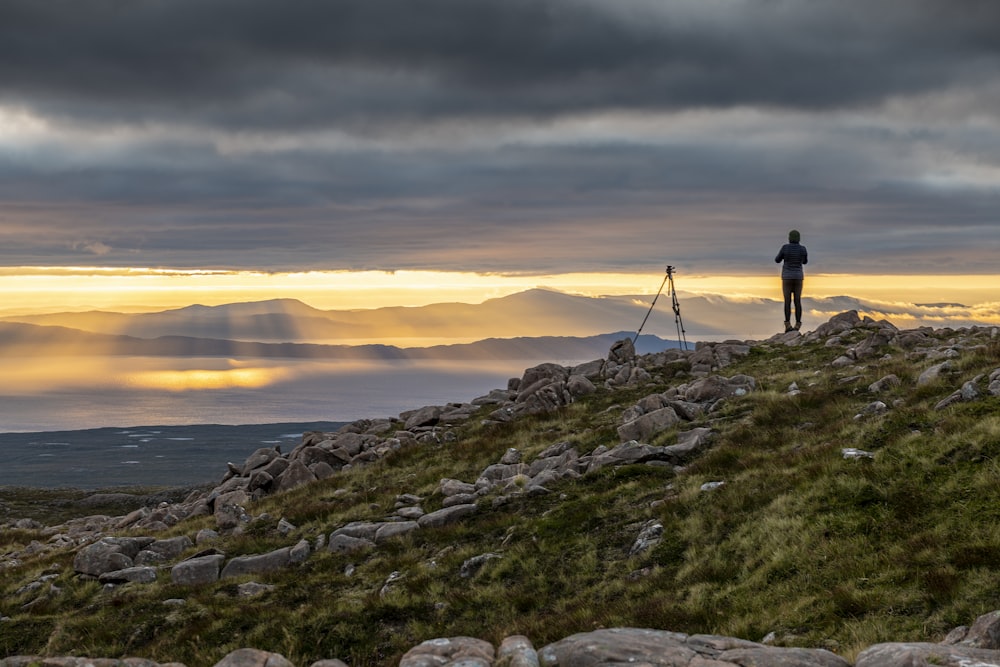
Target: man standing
(794, 255)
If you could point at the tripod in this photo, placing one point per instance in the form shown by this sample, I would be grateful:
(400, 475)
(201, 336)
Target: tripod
(681, 337)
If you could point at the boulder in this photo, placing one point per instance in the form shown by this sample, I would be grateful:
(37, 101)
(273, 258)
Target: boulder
(393, 529)
(714, 387)
(453, 487)
(517, 651)
(915, 654)
(673, 649)
(628, 453)
(622, 352)
(465, 651)
(648, 425)
(884, 384)
(838, 324)
(361, 529)
(171, 547)
(251, 657)
(580, 385)
(426, 416)
(690, 443)
(985, 632)
(445, 516)
(934, 372)
(261, 457)
(346, 544)
(257, 564)
(197, 571)
(108, 555)
(140, 575)
(297, 474)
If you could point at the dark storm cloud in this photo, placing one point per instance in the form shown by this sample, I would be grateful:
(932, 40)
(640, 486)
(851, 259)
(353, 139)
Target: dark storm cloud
(498, 134)
(255, 63)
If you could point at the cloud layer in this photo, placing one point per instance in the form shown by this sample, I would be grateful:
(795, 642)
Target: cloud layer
(500, 135)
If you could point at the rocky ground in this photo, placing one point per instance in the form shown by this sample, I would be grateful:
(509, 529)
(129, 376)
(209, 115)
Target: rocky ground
(119, 550)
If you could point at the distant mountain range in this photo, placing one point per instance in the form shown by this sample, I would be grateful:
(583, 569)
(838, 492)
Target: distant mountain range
(24, 340)
(288, 327)
(532, 313)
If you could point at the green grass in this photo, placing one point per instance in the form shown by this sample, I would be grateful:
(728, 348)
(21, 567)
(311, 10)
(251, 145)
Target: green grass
(821, 550)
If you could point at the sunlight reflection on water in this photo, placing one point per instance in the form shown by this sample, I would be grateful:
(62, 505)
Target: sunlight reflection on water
(78, 393)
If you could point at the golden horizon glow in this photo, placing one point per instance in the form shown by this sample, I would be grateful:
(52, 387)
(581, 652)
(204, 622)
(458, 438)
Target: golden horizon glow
(29, 290)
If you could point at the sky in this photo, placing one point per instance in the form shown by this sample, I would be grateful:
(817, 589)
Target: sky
(239, 142)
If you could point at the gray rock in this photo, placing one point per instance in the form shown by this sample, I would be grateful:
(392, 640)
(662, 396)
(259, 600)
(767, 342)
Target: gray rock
(511, 456)
(445, 516)
(460, 499)
(918, 654)
(139, 575)
(649, 536)
(591, 370)
(426, 416)
(619, 646)
(252, 589)
(275, 467)
(206, 535)
(456, 651)
(516, 651)
(300, 552)
(934, 372)
(781, 657)
(108, 555)
(622, 351)
(148, 558)
(499, 472)
(629, 453)
(392, 529)
(580, 385)
(985, 632)
(257, 564)
(854, 453)
(410, 513)
(648, 425)
(839, 324)
(171, 547)
(714, 387)
(884, 384)
(690, 444)
(361, 529)
(453, 487)
(348, 544)
(197, 571)
(297, 474)
(673, 649)
(970, 391)
(561, 465)
(259, 458)
(251, 657)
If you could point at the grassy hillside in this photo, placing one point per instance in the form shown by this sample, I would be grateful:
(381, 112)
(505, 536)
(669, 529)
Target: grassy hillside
(799, 541)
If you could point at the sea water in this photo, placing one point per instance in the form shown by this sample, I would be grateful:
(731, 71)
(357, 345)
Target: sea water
(129, 420)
